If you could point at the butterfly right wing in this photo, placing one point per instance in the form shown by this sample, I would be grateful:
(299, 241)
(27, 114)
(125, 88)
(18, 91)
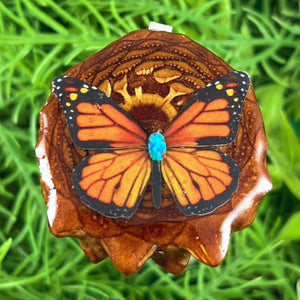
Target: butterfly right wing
(202, 179)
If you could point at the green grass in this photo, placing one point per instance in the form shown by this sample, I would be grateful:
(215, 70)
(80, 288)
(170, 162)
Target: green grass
(40, 39)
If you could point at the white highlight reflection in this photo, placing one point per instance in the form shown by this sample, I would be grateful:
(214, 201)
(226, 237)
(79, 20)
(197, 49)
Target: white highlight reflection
(46, 177)
(263, 185)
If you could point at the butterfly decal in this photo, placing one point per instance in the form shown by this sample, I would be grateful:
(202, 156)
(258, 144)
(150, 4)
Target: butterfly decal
(112, 181)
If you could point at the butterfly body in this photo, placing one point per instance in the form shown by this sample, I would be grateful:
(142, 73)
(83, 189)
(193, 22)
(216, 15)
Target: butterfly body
(113, 181)
(157, 146)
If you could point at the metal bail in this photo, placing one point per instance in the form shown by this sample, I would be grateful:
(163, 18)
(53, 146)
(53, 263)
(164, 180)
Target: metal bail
(160, 27)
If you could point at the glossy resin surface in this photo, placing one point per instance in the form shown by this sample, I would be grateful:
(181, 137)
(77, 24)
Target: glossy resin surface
(152, 75)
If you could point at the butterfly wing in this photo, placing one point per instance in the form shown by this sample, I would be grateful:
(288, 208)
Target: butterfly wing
(212, 116)
(94, 120)
(201, 179)
(113, 182)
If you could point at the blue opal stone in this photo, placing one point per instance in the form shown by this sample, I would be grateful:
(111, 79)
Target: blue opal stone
(157, 146)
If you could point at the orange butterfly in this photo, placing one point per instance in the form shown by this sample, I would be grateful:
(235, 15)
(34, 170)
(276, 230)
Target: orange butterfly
(113, 180)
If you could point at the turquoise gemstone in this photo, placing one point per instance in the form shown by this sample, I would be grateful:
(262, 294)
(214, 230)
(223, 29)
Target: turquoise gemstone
(157, 146)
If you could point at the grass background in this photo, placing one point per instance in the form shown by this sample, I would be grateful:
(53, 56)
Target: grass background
(40, 39)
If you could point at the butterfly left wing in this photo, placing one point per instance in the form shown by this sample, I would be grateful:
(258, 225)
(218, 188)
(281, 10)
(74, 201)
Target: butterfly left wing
(200, 181)
(94, 120)
(212, 116)
(113, 182)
